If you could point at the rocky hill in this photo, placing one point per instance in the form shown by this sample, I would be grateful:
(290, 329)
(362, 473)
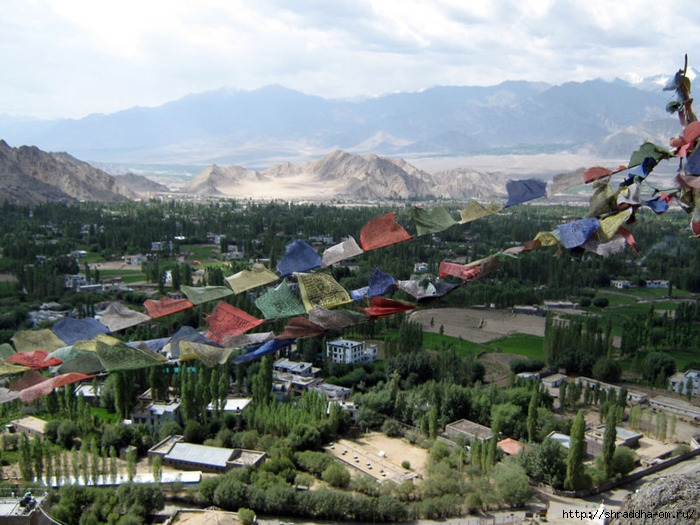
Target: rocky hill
(141, 185)
(31, 176)
(343, 175)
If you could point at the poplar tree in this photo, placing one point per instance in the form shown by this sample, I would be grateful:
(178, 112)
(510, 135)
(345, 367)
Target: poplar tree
(574, 460)
(37, 450)
(26, 468)
(609, 438)
(531, 422)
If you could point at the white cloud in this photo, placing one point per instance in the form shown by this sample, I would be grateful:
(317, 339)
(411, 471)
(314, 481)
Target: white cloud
(74, 57)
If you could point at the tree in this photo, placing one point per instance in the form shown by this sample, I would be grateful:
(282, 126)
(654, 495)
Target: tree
(38, 457)
(336, 475)
(157, 468)
(545, 462)
(531, 422)
(246, 516)
(609, 437)
(574, 461)
(262, 383)
(511, 483)
(26, 468)
(131, 464)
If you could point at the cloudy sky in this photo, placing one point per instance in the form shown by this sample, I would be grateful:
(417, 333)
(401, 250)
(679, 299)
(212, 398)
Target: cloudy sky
(70, 58)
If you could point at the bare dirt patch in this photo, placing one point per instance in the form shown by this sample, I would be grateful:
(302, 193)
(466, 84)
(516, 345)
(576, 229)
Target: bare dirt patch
(380, 456)
(476, 325)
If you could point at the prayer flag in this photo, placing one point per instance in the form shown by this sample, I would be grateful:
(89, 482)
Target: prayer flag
(334, 319)
(31, 394)
(574, 234)
(473, 211)
(320, 289)
(346, 249)
(229, 320)
(381, 306)
(270, 347)
(166, 306)
(208, 354)
(298, 327)
(280, 302)
(380, 283)
(118, 356)
(36, 360)
(71, 330)
(118, 317)
(426, 288)
(29, 340)
(520, 191)
(204, 294)
(246, 280)
(298, 257)
(382, 231)
(648, 149)
(431, 220)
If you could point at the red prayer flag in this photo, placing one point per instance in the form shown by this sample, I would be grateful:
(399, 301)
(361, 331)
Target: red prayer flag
(166, 306)
(382, 231)
(599, 172)
(29, 379)
(459, 270)
(228, 320)
(380, 306)
(31, 394)
(300, 327)
(34, 360)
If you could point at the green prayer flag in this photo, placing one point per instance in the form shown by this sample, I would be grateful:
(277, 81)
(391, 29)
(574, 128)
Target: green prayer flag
(431, 220)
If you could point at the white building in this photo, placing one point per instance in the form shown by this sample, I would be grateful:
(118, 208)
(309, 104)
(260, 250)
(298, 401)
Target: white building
(351, 352)
(681, 382)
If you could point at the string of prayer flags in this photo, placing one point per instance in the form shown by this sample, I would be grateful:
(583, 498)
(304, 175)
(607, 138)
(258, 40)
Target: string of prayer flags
(299, 256)
(298, 327)
(381, 306)
(205, 294)
(280, 302)
(256, 277)
(270, 347)
(69, 330)
(431, 220)
(31, 394)
(474, 210)
(520, 191)
(380, 283)
(574, 234)
(166, 306)
(43, 339)
(118, 317)
(346, 249)
(320, 289)
(229, 320)
(382, 231)
(335, 319)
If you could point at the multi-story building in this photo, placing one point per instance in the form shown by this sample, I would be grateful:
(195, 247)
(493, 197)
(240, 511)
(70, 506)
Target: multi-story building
(350, 352)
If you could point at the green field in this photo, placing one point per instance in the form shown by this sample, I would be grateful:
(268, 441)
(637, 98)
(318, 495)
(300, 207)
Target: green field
(521, 344)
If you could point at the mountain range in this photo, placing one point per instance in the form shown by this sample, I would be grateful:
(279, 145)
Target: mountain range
(260, 128)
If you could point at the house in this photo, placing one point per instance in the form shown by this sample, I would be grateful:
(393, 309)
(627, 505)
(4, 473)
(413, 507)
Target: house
(74, 282)
(675, 406)
(620, 284)
(554, 380)
(294, 376)
(687, 383)
(549, 305)
(634, 397)
(468, 429)
(155, 414)
(510, 446)
(30, 425)
(420, 267)
(657, 283)
(188, 456)
(351, 352)
(232, 405)
(336, 393)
